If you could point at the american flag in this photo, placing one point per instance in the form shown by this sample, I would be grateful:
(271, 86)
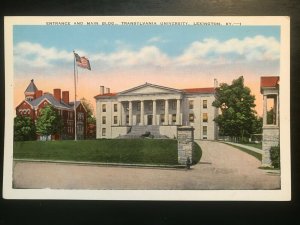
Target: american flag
(82, 62)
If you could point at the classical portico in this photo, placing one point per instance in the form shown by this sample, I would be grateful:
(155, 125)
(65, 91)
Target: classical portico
(150, 111)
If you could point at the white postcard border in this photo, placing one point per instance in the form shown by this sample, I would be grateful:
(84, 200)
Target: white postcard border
(284, 194)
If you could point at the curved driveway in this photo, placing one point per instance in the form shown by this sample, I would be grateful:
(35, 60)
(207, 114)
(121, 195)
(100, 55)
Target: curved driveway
(221, 167)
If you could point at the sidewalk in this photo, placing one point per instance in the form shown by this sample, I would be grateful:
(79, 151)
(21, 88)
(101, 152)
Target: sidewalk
(257, 150)
(161, 166)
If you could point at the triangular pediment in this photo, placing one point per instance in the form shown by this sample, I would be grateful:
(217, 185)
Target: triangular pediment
(148, 88)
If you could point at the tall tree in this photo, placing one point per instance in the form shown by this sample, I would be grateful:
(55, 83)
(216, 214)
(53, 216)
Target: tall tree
(236, 104)
(88, 106)
(49, 122)
(24, 129)
(91, 120)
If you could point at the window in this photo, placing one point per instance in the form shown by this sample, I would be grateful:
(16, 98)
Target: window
(205, 117)
(191, 104)
(204, 104)
(191, 117)
(138, 106)
(115, 107)
(115, 119)
(103, 131)
(174, 118)
(150, 106)
(104, 108)
(127, 119)
(138, 118)
(204, 130)
(80, 116)
(174, 104)
(162, 118)
(103, 119)
(162, 105)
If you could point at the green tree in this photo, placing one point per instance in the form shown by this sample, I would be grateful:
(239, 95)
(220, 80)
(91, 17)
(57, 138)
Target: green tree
(88, 106)
(49, 122)
(24, 129)
(237, 109)
(257, 125)
(270, 116)
(91, 120)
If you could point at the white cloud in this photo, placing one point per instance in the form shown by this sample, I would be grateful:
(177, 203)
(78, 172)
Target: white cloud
(35, 55)
(156, 39)
(203, 52)
(213, 51)
(148, 55)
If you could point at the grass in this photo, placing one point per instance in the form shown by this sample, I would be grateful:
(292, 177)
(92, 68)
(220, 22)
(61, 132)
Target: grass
(255, 145)
(139, 151)
(255, 154)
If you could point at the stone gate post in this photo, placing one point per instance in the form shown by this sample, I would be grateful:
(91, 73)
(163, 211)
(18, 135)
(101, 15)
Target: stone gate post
(185, 137)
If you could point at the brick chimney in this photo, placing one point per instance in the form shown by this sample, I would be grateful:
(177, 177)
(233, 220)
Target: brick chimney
(38, 93)
(107, 90)
(57, 94)
(65, 97)
(101, 90)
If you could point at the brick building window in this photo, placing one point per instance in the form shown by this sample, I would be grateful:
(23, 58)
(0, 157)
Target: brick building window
(80, 116)
(204, 104)
(205, 117)
(115, 119)
(115, 107)
(127, 119)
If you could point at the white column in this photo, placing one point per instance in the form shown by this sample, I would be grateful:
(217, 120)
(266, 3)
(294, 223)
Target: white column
(178, 112)
(166, 112)
(142, 112)
(130, 113)
(120, 113)
(154, 112)
(265, 110)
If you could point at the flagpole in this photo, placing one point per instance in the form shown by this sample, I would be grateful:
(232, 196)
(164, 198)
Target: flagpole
(75, 118)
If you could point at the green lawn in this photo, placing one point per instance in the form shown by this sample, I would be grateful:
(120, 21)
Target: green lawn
(255, 154)
(255, 145)
(144, 151)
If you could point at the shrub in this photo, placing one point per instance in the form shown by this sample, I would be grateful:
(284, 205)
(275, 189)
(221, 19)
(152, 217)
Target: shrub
(275, 156)
(24, 129)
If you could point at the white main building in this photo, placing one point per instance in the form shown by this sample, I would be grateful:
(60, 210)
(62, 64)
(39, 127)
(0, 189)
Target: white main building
(157, 109)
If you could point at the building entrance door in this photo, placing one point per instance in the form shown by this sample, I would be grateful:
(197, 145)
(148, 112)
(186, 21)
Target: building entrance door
(149, 118)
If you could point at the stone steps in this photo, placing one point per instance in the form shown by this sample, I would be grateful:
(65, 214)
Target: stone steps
(138, 131)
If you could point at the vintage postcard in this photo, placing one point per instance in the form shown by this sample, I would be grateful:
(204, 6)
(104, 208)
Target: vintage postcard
(147, 108)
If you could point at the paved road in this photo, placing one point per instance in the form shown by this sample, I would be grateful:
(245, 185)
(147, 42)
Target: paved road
(221, 167)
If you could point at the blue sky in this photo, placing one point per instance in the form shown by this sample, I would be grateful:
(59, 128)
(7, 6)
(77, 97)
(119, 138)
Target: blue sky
(122, 57)
(172, 39)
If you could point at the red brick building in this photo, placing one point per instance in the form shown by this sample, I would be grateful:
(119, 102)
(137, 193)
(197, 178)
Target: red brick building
(35, 100)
